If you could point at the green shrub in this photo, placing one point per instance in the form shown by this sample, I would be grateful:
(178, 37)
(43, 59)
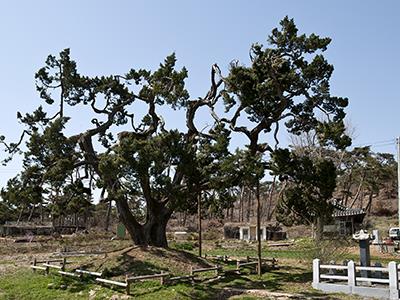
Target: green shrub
(188, 246)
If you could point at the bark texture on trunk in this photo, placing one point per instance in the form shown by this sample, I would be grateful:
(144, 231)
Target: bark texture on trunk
(108, 216)
(270, 198)
(20, 215)
(319, 229)
(31, 213)
(199, 221)
(153, 232)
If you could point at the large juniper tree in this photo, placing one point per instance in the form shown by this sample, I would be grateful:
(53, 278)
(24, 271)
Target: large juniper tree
(160, 170)
(148, 167)
(287, 84)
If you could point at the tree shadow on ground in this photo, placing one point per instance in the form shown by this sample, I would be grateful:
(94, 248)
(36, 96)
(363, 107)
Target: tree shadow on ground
(180, 255)
(202, 292)
(128, 265)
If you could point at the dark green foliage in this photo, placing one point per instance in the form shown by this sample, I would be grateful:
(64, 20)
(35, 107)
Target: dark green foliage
(287, 82)
(363, 171)
(47, 177)
(149, 171)
(311, 184)
(7, 213)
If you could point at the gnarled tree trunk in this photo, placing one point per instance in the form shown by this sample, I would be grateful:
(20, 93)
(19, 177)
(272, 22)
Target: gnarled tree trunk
(108, 216)
(151, 233)
(319, 228)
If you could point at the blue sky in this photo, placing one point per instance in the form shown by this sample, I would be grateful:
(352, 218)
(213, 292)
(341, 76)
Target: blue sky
(110, 37)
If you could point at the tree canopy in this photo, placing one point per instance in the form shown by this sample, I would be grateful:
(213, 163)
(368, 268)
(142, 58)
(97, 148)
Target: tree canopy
(143, 166)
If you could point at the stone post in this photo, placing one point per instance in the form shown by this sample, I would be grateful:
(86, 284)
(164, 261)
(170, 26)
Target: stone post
(351, 274)
(363, 239)
(393, 281)
(316, 263)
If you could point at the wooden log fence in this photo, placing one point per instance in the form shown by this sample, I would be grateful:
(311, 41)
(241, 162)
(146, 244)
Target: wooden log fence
(129, 280)
(240, 265)
(252, 262)
(59, 260)
(64, 273)
(85, 272)
(47, 264)
(50, 266)
(216, 269)
(45, 269)
(223, 258)
(125, 284)
(164, 277)
(35, 267)
(182, 278)
(151, 276)
(112, 282)
(264, 260)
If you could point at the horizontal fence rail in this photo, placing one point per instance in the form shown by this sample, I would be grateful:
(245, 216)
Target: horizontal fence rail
(383, 282)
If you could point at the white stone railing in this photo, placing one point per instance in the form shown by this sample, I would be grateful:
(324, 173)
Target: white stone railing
(347, 279)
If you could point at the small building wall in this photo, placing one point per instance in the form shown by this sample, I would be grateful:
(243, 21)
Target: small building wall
(22, 230)
(343, 225)
(243, 231)
(249, 233)
(253, 233)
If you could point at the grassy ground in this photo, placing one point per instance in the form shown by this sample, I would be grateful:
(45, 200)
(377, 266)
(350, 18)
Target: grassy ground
(293, 276)
(24, 285)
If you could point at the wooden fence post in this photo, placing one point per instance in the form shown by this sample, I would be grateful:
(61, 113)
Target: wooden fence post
(128, 285)
(316, 264)
(162, 278)
(64, 262)
(393, 281)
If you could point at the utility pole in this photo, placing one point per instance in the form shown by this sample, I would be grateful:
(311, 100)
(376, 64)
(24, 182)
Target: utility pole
(199, 218)
(259, 265)
(398, 176)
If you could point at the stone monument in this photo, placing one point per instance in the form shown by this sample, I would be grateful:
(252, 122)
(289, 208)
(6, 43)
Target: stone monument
(363, 238)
